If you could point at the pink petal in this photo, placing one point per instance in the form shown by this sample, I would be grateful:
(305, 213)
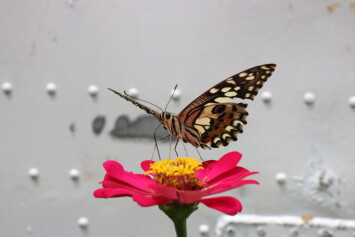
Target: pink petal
(237, 173)
(165, 191)
(146, 165)
(116, 171)
(145, 201)
(190, 196)
(226, 204)
(226, 186)
(111, 192)
(224, 164)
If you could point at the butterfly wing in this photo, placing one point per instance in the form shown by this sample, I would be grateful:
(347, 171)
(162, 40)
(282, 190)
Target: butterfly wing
(139, 105)
(215, 120)
(244, 85)
(218, 124)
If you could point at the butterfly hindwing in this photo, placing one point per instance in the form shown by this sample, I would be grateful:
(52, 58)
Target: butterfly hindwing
(219, 124)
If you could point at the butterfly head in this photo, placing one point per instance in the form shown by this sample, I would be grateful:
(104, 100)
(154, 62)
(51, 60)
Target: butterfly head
(167, 119)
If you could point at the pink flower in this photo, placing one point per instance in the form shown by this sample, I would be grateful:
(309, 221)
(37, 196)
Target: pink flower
(184, 181)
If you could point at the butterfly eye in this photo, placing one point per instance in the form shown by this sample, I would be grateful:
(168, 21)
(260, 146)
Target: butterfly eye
(167, 115)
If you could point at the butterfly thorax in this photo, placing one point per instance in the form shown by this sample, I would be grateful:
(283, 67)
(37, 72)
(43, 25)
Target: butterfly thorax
(171, 123)
(176, 128)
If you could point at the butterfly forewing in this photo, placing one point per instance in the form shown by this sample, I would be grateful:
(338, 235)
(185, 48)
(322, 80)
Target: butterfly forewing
(244, 85)
(217, 121)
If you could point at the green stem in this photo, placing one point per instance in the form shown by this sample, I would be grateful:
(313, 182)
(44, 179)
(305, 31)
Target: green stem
(180, 228)
(179, 213)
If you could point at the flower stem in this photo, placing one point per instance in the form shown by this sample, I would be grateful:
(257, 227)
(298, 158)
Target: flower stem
(179, 213)
(180, 228)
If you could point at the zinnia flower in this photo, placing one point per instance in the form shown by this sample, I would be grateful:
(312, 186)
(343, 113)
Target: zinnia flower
(183, 182)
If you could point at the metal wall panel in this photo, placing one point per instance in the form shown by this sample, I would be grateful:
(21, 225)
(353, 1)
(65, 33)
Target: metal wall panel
(303, 151)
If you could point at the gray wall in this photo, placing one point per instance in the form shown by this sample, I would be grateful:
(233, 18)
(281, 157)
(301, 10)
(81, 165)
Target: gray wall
(153, 45)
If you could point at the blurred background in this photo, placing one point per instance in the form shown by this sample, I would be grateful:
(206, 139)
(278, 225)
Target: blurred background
(59, 123)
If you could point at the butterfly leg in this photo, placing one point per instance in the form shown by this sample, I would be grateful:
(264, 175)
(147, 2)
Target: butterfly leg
(176, 146)
(156, 144)
(199, 154)
(155, 147)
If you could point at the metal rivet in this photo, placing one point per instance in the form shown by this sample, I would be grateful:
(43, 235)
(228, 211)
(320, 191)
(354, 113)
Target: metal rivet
(230, 230)
(51, 88)
(266, 96)
(294, 232)
(204, 229)
(29, 229)
(7, 87)
(309, 98)
(176, 95)
(93, 90)
(280, 178)
(260, 231)
(83, 222)
(74, 173)
(133, 92)
(324, 233)
(33, 173)
(351, 101)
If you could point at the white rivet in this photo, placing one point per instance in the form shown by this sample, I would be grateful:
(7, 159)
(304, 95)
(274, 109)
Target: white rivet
(309, 98)
(29, 229)
(74, 173)
(294, 232)
(133, 92)
(93, 90)
(230, 230)
(351, 101)
(266, 96)
(83, 222)
(176, 95)
(204, 229)
(281, 178)
(7, 87)
(51, 88)
(33, 173)
(260, 231)
(324, 233)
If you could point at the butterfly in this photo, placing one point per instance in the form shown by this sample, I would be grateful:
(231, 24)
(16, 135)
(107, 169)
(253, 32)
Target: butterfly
(211, 120)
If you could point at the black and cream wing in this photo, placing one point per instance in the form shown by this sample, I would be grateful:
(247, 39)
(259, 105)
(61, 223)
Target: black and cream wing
(217, 121)
(244, 85)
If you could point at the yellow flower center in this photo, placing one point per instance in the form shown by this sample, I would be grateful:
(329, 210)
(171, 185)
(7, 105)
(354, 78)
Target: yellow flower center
(179, 173)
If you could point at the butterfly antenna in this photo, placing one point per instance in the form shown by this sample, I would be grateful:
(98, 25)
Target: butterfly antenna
(135, 98)
(172, 94)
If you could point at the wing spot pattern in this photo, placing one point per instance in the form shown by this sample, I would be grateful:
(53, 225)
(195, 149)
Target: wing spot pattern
(231, 81)
(214, 90)
(225, 89)
(222, 99)
(243, 74)
(225, 135)
(203, 121)
(250, 78)
(231, 94)
(218, 109)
